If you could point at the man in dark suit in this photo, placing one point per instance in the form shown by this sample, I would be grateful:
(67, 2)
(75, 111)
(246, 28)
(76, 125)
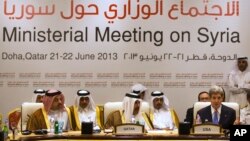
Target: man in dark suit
(217, 113)
(202, 97)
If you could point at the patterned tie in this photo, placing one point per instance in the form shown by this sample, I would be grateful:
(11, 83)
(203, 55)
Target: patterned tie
(215, 119)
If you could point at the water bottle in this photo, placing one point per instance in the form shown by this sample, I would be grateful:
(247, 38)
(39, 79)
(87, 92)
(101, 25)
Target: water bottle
(56, 127)
(137, 122)
(61, 123)
(6, 129)
(52, 122)
(142, 122)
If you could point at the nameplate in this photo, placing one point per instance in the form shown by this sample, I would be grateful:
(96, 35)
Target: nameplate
(207, 129)
(129, 129)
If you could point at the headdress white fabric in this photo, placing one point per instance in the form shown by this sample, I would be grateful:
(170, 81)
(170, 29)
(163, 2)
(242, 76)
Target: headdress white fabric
(84, 93)
(158, 94)
(128, 106)
(49, 98)
(235, 67)
(37, 92)
(138, 88)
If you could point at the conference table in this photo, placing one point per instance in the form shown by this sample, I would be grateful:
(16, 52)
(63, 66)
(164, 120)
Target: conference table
(76, 136)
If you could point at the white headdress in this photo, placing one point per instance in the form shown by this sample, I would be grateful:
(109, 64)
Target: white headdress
(138, 88)
(158, 94)
(235, 67)
(84, 93)
(37, 92)
(128, 106)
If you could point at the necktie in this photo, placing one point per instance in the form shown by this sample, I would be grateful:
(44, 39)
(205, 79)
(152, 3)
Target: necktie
(215, 119)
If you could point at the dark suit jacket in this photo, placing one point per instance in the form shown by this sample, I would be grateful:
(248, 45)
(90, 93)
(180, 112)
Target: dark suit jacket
(189, 116)
(227, 116)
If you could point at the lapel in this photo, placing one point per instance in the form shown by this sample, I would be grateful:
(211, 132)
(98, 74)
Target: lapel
(223, 114)
(210, 116)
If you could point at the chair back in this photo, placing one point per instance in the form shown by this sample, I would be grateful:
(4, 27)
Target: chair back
(109, 107)
(234, 106)
(113, 106)
(27, 109)
(14, 118)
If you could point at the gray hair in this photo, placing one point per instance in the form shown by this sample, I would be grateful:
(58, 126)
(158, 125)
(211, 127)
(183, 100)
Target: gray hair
(216, 89)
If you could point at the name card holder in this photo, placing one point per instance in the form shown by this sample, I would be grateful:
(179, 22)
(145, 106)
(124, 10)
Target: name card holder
(129, 129)
(207, 129)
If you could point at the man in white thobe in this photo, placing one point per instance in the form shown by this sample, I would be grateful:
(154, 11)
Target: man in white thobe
(84, 110)
(161, 117)
(245, 112)
(238, 81)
